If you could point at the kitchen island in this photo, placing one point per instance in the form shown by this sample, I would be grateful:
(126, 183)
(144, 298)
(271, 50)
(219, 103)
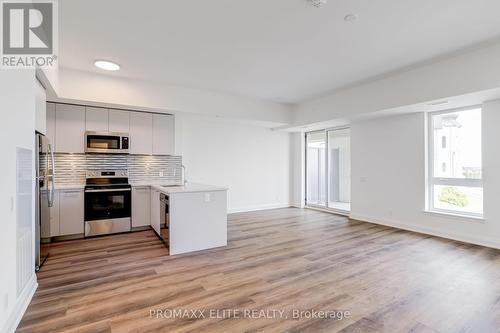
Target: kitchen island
(197, 217)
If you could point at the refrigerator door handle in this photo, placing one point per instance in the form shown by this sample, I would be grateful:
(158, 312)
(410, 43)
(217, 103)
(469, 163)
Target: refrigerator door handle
(51, 173)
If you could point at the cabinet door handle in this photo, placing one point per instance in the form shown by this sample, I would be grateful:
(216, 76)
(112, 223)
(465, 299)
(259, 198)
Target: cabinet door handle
(108, 190)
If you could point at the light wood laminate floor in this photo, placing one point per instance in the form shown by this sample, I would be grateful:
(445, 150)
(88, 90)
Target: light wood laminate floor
(388, 279)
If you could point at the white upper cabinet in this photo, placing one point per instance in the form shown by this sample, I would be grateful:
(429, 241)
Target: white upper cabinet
(119, 121)
(51, 124)
(96, 119)
(149, 133)
(141, 136)
(163, 134)
(70, 128)
(40, 108)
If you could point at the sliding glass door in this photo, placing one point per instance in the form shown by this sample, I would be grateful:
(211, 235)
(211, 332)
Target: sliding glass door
(315, 168)
(328, 169)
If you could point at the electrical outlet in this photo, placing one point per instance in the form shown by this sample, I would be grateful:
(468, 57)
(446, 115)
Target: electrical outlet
(207, 197)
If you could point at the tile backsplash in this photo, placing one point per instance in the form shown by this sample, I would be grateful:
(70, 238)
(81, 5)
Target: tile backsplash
(71, 168)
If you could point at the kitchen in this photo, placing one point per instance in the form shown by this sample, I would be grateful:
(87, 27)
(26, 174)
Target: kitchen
(104, 171)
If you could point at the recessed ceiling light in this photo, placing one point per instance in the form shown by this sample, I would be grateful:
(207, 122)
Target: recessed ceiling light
(350, 17)
(107, 65)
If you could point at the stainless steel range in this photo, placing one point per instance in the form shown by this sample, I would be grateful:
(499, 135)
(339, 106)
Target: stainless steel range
(108, 201)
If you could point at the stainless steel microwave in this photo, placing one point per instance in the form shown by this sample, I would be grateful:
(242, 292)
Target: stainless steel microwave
(107, 142)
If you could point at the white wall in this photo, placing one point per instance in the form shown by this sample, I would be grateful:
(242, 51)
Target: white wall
(17, 129)
(340, 141)
(470, 72)
(253, 162)
(298, 176)
(107, 90)
(388, 178)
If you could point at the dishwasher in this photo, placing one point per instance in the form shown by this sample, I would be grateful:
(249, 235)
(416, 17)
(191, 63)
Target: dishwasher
(164, 219)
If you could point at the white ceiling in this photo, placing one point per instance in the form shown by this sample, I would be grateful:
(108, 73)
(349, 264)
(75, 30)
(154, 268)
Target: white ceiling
(280, 50)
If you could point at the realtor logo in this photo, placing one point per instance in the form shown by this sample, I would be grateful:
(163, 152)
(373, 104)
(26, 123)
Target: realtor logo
(28, 33)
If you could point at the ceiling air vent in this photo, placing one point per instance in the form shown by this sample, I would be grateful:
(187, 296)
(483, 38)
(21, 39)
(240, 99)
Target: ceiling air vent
(317, 3)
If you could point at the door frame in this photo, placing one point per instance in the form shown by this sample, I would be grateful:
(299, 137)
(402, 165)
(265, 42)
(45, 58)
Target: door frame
(327, 173)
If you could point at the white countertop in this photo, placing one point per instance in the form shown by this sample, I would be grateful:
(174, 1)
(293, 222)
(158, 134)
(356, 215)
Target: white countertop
(167, 189)
(188, 188)
(69, 186)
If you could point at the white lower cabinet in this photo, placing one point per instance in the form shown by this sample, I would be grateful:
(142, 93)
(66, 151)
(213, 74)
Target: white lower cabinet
(141, 206)
(71, 212)
(54, 216)
(155, 210)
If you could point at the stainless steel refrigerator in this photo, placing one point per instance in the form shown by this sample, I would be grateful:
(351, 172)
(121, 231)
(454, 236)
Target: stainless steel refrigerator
(44, 197)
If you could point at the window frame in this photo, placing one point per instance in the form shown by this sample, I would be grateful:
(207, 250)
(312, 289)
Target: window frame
(444, 181)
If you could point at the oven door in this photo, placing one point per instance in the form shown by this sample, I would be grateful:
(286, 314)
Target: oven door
(102, 142)
(107, 211)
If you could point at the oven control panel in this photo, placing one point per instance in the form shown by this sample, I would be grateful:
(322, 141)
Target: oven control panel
(107, 174)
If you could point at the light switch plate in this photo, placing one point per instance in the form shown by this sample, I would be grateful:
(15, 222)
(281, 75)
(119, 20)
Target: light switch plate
(207, 197)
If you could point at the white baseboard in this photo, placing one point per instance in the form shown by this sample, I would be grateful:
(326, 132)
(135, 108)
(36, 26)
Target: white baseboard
(297, 205)
(258, 207)
(22, 304)
(430, 231)
(329, 210)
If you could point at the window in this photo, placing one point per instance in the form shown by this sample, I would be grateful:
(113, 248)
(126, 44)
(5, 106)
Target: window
(455, 162)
